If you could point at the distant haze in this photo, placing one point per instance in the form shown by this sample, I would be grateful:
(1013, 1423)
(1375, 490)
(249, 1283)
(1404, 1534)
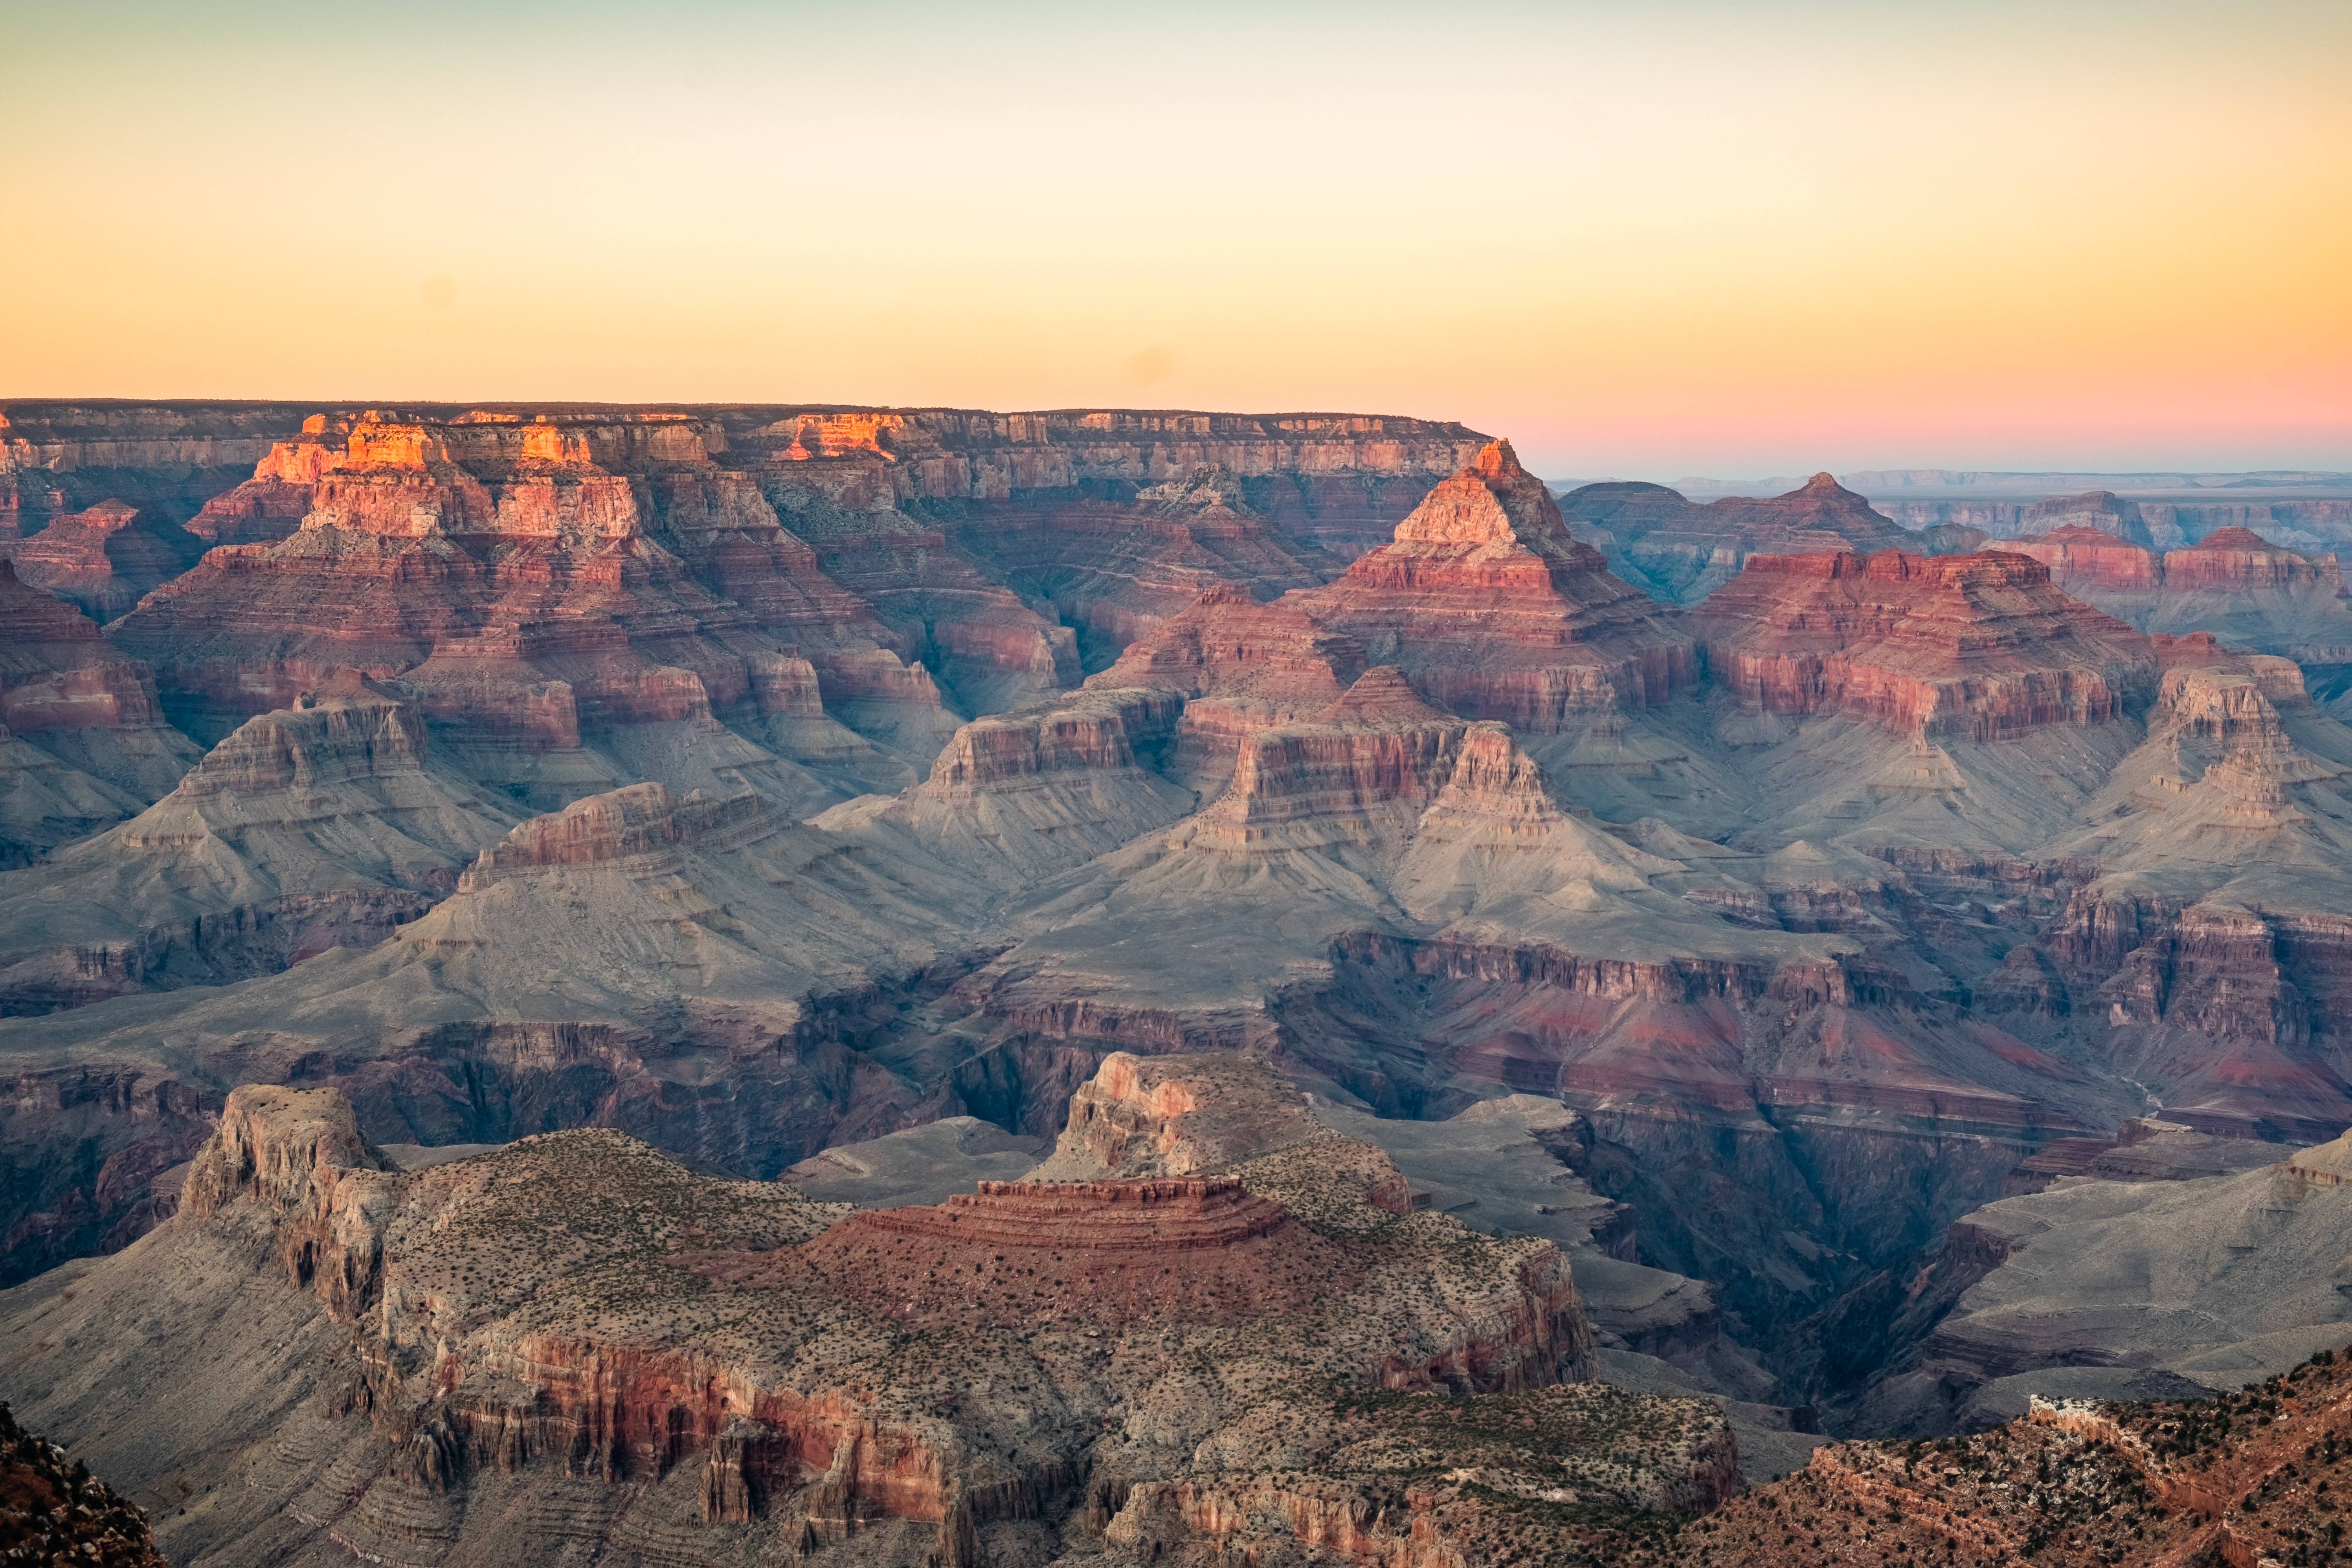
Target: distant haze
(2270, 485)
(1688, 237)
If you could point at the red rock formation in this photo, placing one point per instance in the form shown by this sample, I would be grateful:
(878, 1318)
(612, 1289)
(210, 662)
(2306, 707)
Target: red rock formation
(1245, 664)
(1106, 1247)
(2239, 559)
(522, 1321)
(526, 593)
(1116, 571)
(1490, 608)
(2094, 510)
(1981, 645)
(57, 673)
(61, 457)
(2234, 584)
(104, 560)
(88, 744)
(1681, 551)
(2083, 562)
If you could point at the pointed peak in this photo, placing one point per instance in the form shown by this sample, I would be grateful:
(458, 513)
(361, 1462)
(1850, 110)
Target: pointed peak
(1494, 500)
(1824, 480)
(1382, 695)
(1496, 459)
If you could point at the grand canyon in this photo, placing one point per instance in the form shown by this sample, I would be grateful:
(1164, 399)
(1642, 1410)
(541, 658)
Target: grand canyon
(756, 983)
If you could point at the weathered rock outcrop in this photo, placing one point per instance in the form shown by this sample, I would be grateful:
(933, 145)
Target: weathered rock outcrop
(59, 456)
(514, 587)
(1680, 552)
(1491, 608)
(2233, 585)
(104, 560)
(1177, 1116)
(574, 1322)
(1114, 571)
(2102, 511)
(1022, 796)
(1978, 646)
(2159, 1478)
(87, 743)
(322, 826)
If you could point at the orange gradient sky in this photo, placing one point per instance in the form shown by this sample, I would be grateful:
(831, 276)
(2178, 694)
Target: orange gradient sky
(1650, 240)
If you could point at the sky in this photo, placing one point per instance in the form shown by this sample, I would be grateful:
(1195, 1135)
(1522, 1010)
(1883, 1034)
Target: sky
(1643, 240)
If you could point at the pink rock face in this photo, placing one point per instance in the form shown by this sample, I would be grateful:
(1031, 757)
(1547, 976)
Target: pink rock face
(2234, 584)
(1491, 608)
(1116, 571)
(57, 673)
(104, 560)
(2083, 561)
(1681, 551)
(1982, 645)
(522, 597)
(2239, 558)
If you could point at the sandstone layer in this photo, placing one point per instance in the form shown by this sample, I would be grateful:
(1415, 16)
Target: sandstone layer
(574, 1328)
(2234, 584)
(2247, 1477)
(1680, 552)
(1814, 915)
(87, 744)
(327, 824)
(105, 560)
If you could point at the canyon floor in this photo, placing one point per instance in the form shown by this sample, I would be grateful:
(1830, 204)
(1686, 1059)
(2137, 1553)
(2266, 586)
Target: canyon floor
(1841, 980)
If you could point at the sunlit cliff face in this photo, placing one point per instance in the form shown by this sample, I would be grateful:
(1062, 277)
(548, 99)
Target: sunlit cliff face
(1694, 239)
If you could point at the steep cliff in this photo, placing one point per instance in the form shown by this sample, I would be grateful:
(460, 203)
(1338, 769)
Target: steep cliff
(1980, 646)
(320, 826)
(104, 560)
(2234, 584)
(513, 584)
(573, 1326)
(86, 744)
(1491, 609)
(1680, 552)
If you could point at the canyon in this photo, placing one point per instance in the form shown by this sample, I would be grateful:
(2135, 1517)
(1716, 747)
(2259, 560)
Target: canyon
(1725, 951)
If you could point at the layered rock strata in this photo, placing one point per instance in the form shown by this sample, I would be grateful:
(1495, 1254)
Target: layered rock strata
(1114, 571)
(708, 1365)
(1977, 646)
(2233, 585)
(61, 457)
(105, 560)
(514, 586)
(1492, 609)
(86, 741)
(322, 826)
(1680, 552)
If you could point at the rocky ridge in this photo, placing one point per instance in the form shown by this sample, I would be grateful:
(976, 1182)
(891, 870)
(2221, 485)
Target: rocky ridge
(716, 1370)
(326, 825)
(1680, 552)
(2249, 1477)
(1811, 969)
